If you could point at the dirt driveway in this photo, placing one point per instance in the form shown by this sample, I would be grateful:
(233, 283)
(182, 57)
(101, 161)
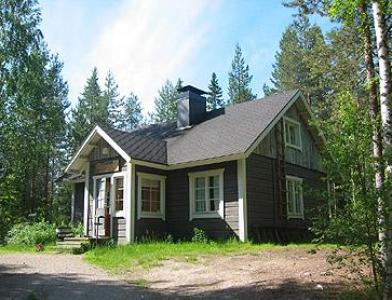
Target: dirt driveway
(293, 274)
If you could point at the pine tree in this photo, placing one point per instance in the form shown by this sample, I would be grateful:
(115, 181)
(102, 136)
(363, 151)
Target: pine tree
(214, 99)
(166, 102)
(131, 116)
(239, 79)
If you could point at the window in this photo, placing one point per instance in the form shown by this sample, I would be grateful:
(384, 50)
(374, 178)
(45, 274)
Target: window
(295, 206)
(206, 194)
(151, 196)
(119, 193)
(292, 132)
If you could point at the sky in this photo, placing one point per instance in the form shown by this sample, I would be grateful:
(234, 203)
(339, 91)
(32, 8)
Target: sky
(146, 42)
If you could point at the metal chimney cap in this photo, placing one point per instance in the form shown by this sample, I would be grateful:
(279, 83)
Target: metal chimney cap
(191, 88)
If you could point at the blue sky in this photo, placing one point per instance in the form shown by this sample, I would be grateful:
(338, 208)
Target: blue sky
(146, 42)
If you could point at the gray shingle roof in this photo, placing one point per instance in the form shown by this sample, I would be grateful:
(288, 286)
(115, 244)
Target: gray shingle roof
(227, 132)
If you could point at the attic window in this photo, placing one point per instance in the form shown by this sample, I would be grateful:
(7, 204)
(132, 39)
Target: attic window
(292, 133)
(105, 151)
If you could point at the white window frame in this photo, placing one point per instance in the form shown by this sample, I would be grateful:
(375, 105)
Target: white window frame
(300, 214)
(144, 214)
(112, 210)
(215, 214)
(292, 122)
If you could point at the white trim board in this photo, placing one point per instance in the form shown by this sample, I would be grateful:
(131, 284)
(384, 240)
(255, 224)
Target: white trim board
(98, 130)
(242, 200)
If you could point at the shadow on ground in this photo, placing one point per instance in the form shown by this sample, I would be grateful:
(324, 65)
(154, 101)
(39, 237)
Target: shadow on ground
(71, 286)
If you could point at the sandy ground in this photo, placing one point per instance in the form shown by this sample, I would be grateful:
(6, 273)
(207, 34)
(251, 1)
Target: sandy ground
(283, 274)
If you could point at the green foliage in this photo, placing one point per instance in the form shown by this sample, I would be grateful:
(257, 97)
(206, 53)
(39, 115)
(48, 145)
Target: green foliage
(214, 99)
(77, 229)
(239, 79)
(132, 116)
(31, 234)
(33, 100)
(351, 217)
(9, 210)
(92, 108)
(166, 102)
(199, 236)
(302, 62)
(111, 96)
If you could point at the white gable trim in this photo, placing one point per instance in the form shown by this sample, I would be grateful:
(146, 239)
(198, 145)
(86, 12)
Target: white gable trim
(278, 117)
(98, 130)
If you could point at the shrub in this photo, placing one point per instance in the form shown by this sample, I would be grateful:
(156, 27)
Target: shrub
(31, 234)
(77, 229)
(199, 236)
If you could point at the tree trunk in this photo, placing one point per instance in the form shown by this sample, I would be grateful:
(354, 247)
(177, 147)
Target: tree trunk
(374, 114)
(385, 109)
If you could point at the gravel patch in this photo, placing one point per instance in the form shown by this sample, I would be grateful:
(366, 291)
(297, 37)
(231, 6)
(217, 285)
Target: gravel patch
(46, 276)
(288, 274)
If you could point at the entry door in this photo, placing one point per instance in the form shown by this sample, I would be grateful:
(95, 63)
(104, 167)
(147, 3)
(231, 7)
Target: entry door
(102, 205)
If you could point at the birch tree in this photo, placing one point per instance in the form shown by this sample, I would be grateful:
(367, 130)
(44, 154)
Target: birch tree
(385, 110)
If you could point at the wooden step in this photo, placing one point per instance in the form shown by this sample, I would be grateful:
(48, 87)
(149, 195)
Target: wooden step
(77, 239)
(69, 243)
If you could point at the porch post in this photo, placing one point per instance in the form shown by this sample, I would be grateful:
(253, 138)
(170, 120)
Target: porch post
(242, 201)
(130, 203)
(73, 202)
(86, 197)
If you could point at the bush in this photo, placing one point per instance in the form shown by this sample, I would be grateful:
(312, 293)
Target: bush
(31, 234)
(199, 236)
(77, 229)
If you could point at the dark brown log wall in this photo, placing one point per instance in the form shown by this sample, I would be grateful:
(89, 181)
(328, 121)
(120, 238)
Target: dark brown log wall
(262, 194)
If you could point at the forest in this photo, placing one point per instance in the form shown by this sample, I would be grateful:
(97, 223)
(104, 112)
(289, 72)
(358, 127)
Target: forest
(344, 73)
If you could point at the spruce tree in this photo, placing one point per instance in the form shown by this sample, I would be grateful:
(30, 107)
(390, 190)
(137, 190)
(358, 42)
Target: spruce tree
(239, 79)
(166, 102)
(131, 116)
(112, 98)
(92, 109)
(303, 62)
(214, 99)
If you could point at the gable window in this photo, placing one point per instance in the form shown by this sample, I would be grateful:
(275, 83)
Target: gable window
(294, 196)
(292, 133)
(151, 196)
(206, 194)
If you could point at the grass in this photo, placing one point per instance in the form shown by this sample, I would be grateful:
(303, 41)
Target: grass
(147, 255)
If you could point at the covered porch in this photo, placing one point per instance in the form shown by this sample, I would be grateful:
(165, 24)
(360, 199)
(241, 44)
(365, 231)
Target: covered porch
(101, 178)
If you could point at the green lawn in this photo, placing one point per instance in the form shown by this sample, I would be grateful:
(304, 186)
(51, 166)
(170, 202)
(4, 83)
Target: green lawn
(146, 255)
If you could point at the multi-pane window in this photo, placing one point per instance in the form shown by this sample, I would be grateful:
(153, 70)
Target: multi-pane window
(119, 193)
(206, 193)
(292, 133)
(151, 195)
(295, 206)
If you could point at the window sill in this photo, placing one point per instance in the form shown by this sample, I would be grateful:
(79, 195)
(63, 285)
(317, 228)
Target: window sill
(301, 217)
(150, 216)
(206, 216)
(119, 214)
(292, 146)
